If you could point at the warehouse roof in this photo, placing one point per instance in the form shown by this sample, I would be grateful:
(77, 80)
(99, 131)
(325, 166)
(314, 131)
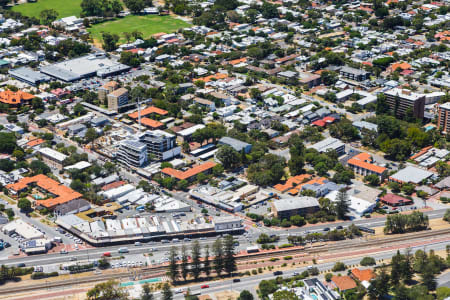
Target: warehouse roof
(411, 174)
(295, 203)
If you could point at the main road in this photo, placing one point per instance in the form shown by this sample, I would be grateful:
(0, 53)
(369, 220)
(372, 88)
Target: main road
(96, 253)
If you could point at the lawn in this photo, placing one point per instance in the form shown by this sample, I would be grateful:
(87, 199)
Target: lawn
(148, 25)
(65, 8)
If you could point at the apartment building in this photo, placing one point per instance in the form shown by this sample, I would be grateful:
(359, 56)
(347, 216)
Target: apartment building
(52, 158)
(401, 100)
(133, 153)
(444, 117)
(117, 99)
(363, 164)
(106, 89)
(162, 145)
(354, 74)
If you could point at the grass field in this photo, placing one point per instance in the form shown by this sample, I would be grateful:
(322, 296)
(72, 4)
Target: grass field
(65, 8)
(148, 25)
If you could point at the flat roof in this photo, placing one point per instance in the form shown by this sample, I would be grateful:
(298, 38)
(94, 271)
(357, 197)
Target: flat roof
(53, 153)
(85, 66)
(29, 75)
(326, 144)
(295, 203)
(411, 174)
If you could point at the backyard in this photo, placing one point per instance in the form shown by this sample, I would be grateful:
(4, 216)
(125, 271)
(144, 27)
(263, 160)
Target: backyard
(65, 8)
(147, 25)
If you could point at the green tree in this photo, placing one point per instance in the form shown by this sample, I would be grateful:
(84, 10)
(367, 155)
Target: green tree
(184, 263)
(24, 204)
(368, 261)
(109, 41)
(379, 286)
(196, 266)
(39, 167)
(228, 157)
(206, 262)
(245, 295)
(146, 293)
(285, 295)
(229, 259)
(372, 179)
(167, 292)
(47, 16)
(91, 135)
(297, 220)
(342, 205)
(107, 290)
(135, 6)
(218, 256)
(428, 278)
(173, 265)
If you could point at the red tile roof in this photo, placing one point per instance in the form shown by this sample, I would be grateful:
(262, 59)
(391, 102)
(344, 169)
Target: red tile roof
(363, 160)
(343, 283)
(15, 98)
(189, 173)
(393, 199)
(147, 111)
(363, 275)
(151, 123)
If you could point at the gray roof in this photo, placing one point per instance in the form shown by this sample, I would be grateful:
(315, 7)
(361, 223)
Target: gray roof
(327, 144)
(412, 174)
(366, 125)
(29, 75)
(354, 71)
(236, 144)
(85, 66)
(444, 183)
(295, 203)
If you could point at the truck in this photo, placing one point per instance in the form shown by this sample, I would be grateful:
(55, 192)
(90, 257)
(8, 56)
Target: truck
(140, 208)
(123, 250)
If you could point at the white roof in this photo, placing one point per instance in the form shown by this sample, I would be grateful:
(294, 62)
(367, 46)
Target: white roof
(190, 130)
(356, 205)
(53, 153)
(412, 174)
(79, 165)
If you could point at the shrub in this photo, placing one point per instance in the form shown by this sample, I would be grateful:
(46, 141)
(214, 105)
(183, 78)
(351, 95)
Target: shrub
(339, 266)
(328, 277)
(368, 261)
(288, 257)
(254, 272)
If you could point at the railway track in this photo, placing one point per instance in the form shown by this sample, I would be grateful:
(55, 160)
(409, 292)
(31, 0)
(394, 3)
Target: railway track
(161, 270)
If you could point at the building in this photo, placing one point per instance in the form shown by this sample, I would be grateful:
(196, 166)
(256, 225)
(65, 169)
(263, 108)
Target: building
(287, 207)
(29, 76)
(236, 144)
(15, 99)
(52, 158)
(444, 117)
(191, 173)
(362, 164)
(411, 174)
(354, 74)
(72, 207)
(56, 192)
(186, 134)
(117, 99)
(343, 283)
(106, 89)
(402, 101)
(227, 224)
(395, 200)
(363, 275)
(133, 153)
(160, 144)
(356, 204)
(329, 144)
(84, 67)
(149, 111)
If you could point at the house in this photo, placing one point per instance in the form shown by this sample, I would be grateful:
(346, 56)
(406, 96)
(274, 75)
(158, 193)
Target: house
(151, 110)
(343, 283)
(15, 99)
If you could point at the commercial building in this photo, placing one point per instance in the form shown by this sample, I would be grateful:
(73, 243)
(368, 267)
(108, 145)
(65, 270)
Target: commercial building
(23, 229)
(52, 158)
(227, 224)
(356, 204)
(117, 99)
(186, 134)
(191, 173)
(149, 111)
(72, 207)
(411, 174)
(105, 89)
(401, 101)
(329, 144)
(395, 200)
(83, 67)
(354, 74)
(133, 153)
(362, 164)
(287, 207)
(29, 76)
(236, 144)
(162, 145)
(444, 117)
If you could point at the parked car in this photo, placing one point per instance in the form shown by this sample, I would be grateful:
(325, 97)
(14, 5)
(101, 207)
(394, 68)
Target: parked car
(277, 273)
(205, 286)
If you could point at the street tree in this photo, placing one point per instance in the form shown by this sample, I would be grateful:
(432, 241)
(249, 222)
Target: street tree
(196, 267)
(218, 256)
(184, 263)
(229, 259)
(146, 292)
(173, 266)
(206, 262)
(167, 292)
(342, 205)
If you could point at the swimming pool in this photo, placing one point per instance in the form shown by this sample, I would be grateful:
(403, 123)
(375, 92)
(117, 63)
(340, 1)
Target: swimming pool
(150, 280)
